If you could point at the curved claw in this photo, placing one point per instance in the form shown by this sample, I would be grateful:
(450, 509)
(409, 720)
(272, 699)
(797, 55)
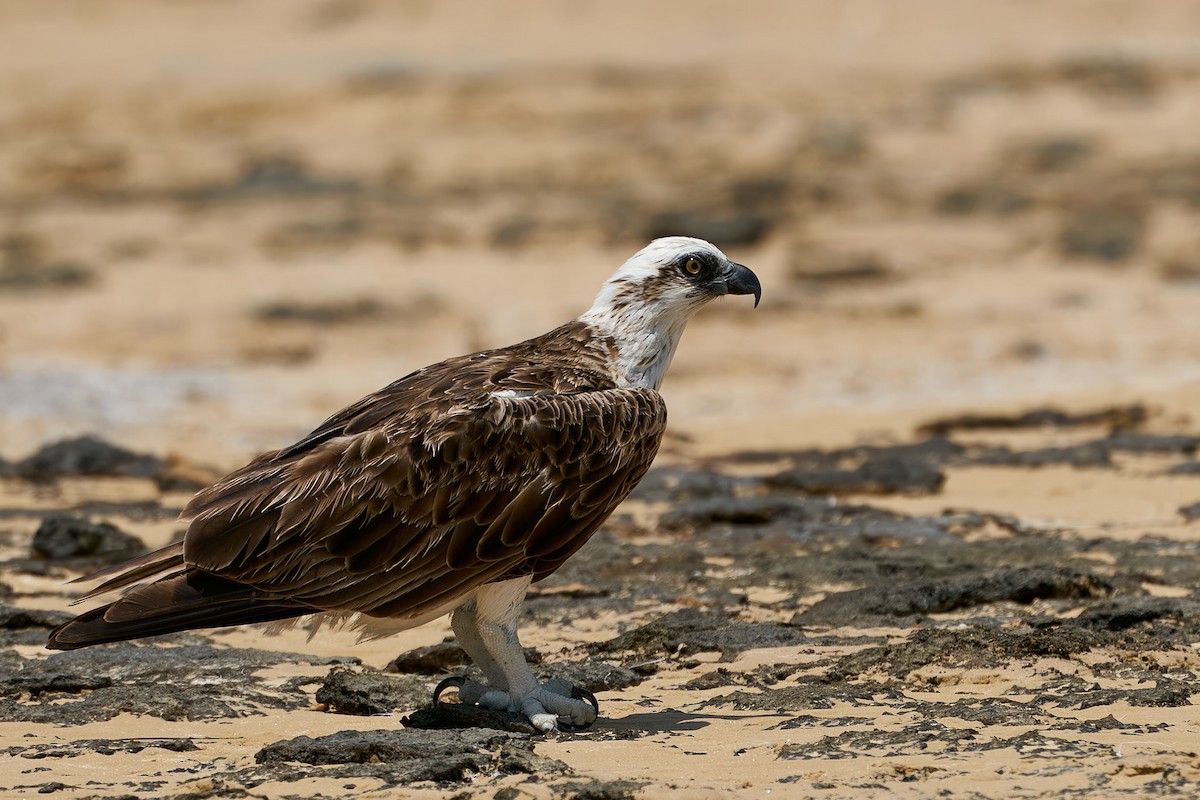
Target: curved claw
(579, 693)
(456, 681)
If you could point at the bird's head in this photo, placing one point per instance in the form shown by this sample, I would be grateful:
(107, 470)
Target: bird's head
(675, 275)
(647, 302)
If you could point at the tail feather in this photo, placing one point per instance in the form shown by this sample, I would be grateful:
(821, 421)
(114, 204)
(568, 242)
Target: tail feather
(183, 601)
(128, 573)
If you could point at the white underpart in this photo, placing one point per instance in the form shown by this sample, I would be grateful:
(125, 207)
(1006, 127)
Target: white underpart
(646, 333)
(369, 628)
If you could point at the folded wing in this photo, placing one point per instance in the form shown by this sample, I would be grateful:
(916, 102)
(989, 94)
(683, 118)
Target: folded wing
(396, 507)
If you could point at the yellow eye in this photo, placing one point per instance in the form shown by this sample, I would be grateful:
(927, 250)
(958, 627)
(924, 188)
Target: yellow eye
(693, 266)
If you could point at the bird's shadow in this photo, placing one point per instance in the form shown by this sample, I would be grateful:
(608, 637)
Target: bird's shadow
(670, 720)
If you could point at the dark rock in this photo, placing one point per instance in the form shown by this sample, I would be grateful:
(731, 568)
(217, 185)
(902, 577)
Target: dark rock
(865, 606)
(836, 141)
(430, 660)
(692, 631)
(336, 231)
(676, 484)
(216, 788)
(1053, 154)
(1123, 613)
(363, 747)
(983, 197)
(334, 312)
(24, 266)
(386, 77)
(105, 747)
(761, 191)
(1115, 417)
(813, 721)
(876, 743)
(408, 756)
(178, 475)
(367, 692)
(514, 233)
(40, 684)
(14, 619)
(1109, 723)
(760, 677)
(716, 679)
(456, 716)
(1151, 443)
(989, 711)
(1186, 468)
(935, 450)
(1166, 693)
(1088, 454)
(825, 268)
(523, 761)
(64, 275)
(809, 692)
(736, 511)
(882, 475)
(1190, 513)
(969, 647)
(600, 790)
(1034, 744)
(1104, 232)
(189, 681)
(63, 536)
(86, 455)
(594, 676)
(1112, 76)
(271, 176)
(1177, 179)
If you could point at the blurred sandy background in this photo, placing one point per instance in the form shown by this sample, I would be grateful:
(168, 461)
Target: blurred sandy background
(222, 220)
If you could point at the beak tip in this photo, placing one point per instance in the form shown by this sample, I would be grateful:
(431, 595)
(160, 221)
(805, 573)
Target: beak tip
(744, 281)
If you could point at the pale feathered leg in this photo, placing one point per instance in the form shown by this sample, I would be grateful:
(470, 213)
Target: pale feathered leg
(466, 630)
(486, 627)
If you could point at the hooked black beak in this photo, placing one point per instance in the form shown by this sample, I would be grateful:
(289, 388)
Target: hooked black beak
(740, 280)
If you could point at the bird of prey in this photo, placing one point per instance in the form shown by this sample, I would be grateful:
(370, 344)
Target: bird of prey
(449, 491)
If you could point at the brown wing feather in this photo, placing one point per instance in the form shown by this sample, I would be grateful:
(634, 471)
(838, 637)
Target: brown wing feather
(447, 479)
(128, 573)
(362, 545)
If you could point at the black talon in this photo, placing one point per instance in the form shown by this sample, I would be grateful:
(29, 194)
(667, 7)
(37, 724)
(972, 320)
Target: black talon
(578, 693)
(456, 681)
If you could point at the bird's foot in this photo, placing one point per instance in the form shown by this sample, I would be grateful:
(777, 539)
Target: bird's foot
(552, 706)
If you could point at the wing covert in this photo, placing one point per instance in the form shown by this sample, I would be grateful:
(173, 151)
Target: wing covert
(427, 501)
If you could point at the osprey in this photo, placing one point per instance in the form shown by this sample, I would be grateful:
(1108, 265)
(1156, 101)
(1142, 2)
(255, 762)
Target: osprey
(450, 490)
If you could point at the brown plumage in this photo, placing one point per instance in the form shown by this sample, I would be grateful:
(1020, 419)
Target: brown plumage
(439, 481)
(485, 470)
